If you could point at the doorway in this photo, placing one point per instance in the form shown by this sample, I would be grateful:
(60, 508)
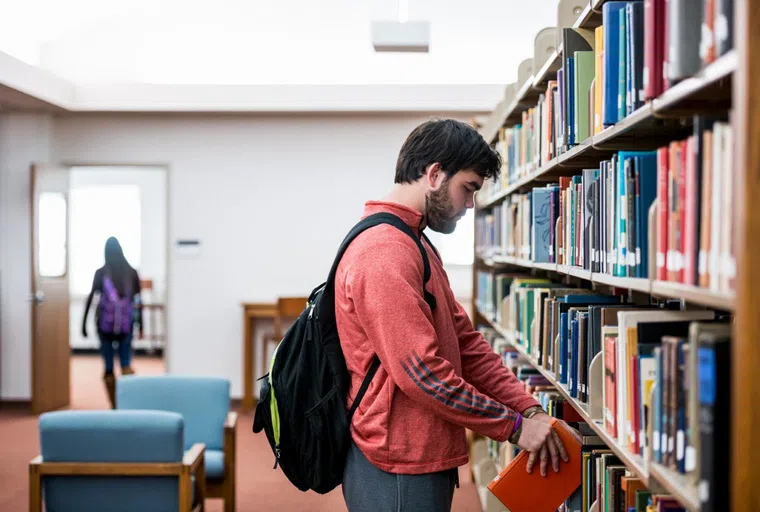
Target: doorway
(129, 203)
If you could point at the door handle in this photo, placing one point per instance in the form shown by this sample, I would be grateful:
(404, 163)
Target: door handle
(38, 297)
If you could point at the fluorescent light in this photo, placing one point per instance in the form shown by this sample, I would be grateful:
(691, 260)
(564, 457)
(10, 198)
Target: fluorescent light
(394, 36)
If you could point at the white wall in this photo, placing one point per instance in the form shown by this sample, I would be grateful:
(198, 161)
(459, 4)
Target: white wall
(269, 198)
(151, 182)
(24, 139)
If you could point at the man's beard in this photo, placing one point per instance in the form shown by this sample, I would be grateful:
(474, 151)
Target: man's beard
(438, 210)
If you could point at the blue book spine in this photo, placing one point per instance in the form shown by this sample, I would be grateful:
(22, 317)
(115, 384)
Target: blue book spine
(610, 85)
(622, 63)
(681, 413)
(647, 184)
(563, 348)
(573, 359)
(570, 103)
(541, 224)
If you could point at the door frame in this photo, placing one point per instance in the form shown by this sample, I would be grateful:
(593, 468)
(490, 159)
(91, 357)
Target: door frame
(167, 258)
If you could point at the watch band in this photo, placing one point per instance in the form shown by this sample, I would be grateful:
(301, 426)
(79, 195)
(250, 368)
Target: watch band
(532, 411)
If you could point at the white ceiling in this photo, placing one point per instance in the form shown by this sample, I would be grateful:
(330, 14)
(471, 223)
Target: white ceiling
(268, 42)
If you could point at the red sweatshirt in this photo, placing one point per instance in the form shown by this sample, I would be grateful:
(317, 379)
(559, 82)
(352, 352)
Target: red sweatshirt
(437, 375)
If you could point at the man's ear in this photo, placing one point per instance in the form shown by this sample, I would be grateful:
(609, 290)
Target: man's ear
(435, 176)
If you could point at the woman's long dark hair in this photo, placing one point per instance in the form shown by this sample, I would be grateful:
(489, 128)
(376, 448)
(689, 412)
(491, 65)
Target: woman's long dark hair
(117, 266)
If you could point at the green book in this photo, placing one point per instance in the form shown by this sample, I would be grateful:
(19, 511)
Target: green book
(584, 75)
(642, 500)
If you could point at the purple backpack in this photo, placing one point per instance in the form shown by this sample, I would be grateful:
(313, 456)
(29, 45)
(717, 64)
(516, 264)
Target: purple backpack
(115, 313)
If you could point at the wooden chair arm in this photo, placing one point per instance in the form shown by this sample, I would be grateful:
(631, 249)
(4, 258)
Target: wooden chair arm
(230, 422)
(194, 457)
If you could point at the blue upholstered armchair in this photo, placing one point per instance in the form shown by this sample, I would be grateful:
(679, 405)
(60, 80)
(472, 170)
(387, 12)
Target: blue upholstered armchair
(204, 403)
(117, 461)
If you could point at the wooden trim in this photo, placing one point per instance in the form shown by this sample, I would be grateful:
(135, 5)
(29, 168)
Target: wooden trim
(230, 422)
(111, 468)
(230, 450)
(16, 405)
(35, 485)
(35, 399)
(200, 485)
(195, 456)
(192, 463)
(185, 489)
(745, 394)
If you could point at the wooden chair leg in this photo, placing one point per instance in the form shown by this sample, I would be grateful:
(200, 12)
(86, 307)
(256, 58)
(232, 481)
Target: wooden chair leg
(229, 495)
(185, 491)
(35, 488)
(200, 485)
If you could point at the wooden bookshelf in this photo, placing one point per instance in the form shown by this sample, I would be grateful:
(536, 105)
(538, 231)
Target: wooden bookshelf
(631, 283)
(745, 419)
(656, 475)
(661, 289)
(731, 82)
(695, 295)
(633, 461)
(676, 484)
(646, 128)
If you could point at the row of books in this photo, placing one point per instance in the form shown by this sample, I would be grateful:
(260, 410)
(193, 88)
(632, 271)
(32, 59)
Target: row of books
(602, 220)
(606, 483)
(641, 49)
(683, 355)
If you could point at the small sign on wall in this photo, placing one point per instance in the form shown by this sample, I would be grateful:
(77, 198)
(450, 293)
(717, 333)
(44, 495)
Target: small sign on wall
(188, 248)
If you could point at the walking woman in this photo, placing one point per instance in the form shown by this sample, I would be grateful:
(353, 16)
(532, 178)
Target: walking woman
(118, 286)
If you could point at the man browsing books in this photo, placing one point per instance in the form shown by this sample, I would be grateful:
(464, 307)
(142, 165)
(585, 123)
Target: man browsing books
(437, 375)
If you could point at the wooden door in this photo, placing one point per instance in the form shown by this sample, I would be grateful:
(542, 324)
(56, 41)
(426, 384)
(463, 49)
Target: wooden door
(50, 288)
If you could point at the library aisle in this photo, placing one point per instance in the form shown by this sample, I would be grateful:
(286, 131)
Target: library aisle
(613, 257)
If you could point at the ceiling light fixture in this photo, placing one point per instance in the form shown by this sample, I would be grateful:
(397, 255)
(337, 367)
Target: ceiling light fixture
(402, 35)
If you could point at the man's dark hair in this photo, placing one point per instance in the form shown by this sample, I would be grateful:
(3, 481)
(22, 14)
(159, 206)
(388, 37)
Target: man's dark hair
(455, 145)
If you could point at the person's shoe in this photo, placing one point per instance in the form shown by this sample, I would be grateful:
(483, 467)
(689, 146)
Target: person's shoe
(127, 370)
(110, 382)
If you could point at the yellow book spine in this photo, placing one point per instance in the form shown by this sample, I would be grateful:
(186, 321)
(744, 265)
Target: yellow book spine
(598, 74)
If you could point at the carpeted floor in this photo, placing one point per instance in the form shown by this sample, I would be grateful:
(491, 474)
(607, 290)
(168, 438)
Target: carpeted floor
(259, 487)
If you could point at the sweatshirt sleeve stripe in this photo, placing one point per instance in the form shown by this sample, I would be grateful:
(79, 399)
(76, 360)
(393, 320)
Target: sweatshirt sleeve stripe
(485, 403)
(450, 399)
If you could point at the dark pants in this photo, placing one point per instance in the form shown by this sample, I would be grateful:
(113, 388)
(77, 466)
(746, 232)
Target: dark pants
(124, 349)
(369, 489)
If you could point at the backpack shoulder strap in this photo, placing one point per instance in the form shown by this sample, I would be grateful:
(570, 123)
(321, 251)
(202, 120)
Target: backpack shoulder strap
(432, 247)
(364, 224)
(374, 220)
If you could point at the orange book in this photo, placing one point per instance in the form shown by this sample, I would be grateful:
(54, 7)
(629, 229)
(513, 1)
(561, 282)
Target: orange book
(521, 491)
(629, 485)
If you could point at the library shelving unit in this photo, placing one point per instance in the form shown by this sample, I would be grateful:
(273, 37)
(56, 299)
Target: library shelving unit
(729, 82)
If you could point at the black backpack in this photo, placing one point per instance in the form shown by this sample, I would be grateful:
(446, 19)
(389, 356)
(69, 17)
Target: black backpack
(302, 400)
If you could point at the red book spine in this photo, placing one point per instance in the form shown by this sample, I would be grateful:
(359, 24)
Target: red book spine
(653, 42)
(682, 210)
(662, 213)
(610, 392)
(691, 245)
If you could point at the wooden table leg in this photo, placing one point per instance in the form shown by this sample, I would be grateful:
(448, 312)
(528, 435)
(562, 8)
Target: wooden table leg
(248, 366)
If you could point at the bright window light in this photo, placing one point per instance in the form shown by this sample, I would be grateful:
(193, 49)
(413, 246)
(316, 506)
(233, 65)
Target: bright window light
(52, 234)
(98, 212)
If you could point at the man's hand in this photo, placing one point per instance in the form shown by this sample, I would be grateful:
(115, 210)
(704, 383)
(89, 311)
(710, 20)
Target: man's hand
(537, 438)
(552, 447)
